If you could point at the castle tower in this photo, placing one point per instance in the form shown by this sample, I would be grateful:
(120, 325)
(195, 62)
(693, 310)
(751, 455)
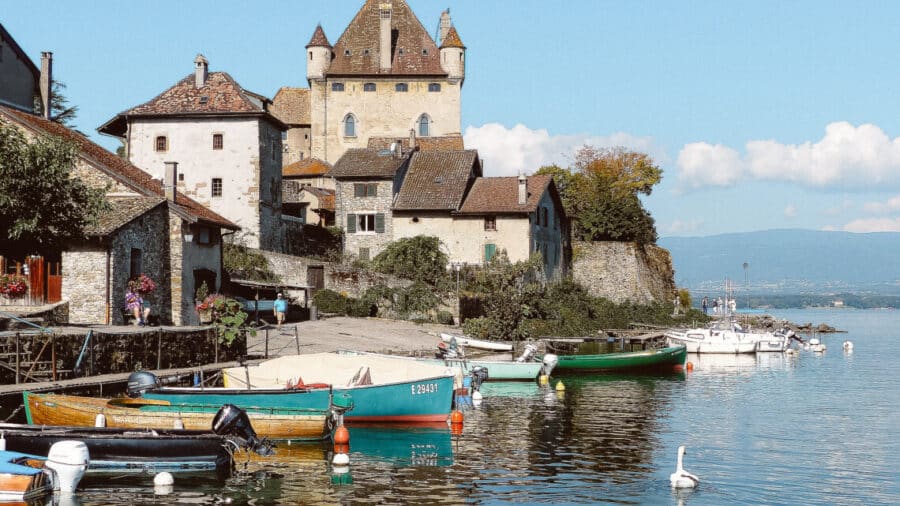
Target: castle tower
(453, 56)
(384, 33)
(318, 57)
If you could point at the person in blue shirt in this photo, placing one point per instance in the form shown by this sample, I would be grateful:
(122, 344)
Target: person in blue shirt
(279, 308)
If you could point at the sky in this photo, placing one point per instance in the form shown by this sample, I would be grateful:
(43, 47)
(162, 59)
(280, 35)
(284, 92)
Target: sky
(761, 114)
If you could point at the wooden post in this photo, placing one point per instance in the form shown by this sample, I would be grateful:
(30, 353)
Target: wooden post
(17, 358)
(267, 342)
(216, 359)
(297, 338)
(53, 356)
(159, 349)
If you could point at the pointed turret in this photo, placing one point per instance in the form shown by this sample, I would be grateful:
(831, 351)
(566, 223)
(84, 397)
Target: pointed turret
(453, 55)
(318, 55)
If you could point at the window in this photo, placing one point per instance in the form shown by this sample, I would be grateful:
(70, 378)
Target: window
(365, 52)
(135, 264)
(202, 235)
(424, 52)
(543, 216)
(162, 143)
(349, 126)
(346, 52)
(490, 223)
(403, 87)
(434, 87)
(284, 136)
(204, 100)
(216, 187)
(423, 125)
(369, 87)
(337, 86)
(489, 251)
(217, 141)
(365, 223)
(181, 176)
(310, 56)
(365, 189)
(400, 50)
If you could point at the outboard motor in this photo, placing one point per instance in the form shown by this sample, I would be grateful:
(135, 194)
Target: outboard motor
(231, 420)
(529, 352)
(141, 381)
(69, 461)
(479, 375)
(549, 362)
(451, 351)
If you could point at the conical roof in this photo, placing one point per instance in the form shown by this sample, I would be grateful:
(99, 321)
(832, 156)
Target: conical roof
(318, 38)
(452, 39)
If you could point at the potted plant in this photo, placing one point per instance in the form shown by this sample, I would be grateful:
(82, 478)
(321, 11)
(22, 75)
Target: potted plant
(13, 286)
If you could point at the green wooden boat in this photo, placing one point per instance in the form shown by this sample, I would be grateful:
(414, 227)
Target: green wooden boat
(659, 359)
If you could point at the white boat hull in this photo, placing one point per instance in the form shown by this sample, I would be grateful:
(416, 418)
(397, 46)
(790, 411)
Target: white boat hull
(468, 342)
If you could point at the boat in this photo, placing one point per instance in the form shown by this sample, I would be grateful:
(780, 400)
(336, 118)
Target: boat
(142, 450)
(379, 388)
(728, 336)
(25, 477)
(294, 423)
(476, 343)
(660, 359)
(498, 370)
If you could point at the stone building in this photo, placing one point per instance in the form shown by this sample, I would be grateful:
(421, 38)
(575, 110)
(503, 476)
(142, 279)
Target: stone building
(383, 77)
(151, 228)
(226, 142)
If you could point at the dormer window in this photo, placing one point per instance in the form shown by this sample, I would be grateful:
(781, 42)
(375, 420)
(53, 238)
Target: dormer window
(346, 52)
(424, 52)
(365, 52)
(400, 51)
(204, 99)
(337, 86)
(401, 87)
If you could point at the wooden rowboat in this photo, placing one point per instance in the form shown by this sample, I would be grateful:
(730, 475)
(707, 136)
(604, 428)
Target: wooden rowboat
(270, 422)
(660, 359)
(23, 477)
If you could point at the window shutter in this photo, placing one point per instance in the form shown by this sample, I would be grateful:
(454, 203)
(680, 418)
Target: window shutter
(351, 223)
(359, 190)
(371, 190)
(379, 223)
(489, 250)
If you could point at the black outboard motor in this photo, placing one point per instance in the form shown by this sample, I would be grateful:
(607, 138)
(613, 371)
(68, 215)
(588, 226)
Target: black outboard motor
(231, 420)
(479, 375)
(141, 381)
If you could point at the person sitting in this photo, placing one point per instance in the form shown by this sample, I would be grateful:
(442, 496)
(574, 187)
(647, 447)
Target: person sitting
(136, 304)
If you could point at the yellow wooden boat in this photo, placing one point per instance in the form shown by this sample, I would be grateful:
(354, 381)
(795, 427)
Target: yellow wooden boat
(269, 422)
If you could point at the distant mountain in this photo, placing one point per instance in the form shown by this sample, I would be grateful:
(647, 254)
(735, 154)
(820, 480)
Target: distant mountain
(789, 261)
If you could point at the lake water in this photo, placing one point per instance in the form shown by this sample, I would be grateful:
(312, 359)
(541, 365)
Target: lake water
(767, 429)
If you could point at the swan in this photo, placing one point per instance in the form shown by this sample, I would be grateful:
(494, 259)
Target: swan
(848, 345)
(681, 478)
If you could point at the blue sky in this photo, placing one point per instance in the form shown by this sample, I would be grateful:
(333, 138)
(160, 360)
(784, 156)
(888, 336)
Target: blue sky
(762, 114)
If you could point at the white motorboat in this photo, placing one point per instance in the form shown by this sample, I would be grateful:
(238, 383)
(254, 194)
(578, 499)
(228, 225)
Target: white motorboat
(476, 343)
(727, 336)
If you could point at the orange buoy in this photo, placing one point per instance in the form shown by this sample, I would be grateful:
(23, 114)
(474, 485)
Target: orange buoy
(690, 366)
(456, 429)
(341, 448)
(679, 368)
(341, 436)
(456, 417)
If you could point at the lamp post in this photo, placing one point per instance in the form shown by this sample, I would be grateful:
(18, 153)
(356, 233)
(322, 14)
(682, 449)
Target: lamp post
(456, 267)
(747, 282)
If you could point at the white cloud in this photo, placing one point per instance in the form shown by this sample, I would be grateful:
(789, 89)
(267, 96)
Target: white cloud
(840, 209)
(506, 151)
(790, 211)
(873, 225)
(892, 205)
(846, 156)
(680, 227)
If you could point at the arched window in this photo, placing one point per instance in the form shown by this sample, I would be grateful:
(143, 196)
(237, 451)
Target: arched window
(349, 126)
(423, 125)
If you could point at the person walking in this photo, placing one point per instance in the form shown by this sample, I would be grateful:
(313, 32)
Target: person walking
(279, 308)
(705, 305)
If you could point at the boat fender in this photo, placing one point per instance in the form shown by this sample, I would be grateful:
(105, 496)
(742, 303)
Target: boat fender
(69, 460)
(140, 382)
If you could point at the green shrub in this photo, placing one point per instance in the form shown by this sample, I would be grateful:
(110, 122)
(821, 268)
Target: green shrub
(329, 301)
(417, 258)
(417, 298)
(445, 317)
(359, 308)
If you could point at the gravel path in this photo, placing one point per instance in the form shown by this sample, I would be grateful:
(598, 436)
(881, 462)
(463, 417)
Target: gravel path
(343, 333)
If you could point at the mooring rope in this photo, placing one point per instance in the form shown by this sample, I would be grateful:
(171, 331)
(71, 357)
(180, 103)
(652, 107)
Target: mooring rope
(16, 411)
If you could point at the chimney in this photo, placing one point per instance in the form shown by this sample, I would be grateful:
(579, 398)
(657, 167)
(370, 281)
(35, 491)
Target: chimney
(201, 70)
(384, 49)
(397, 148)
(412, 139)
(171, 181)
(523, 189)
(46, 83)
(445, 25)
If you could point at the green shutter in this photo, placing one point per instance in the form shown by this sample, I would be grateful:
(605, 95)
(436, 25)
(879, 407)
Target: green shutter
(371, 189)
(489, 251)
(379, 223)
(359, 190)
(351, 223)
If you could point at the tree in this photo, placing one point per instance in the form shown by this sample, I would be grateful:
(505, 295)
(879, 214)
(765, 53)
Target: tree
(601, 194)
(508, 292)
(60, 110)
(418, 258)
(42, 205)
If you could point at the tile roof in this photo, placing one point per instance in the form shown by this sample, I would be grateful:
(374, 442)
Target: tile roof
(452, 39)
(319, 38)
(432, 143)
(500, 195)
(117, 168)
(292, 193)
(306, 168)
(291, 106)
(220, 95)
(437, 180)
(413, 51)
(122, 211)
(325, 195)
(371, 163)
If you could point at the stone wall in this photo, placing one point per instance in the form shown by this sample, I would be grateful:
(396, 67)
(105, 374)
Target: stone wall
(622, 271)
(84, 283)
(381, 203)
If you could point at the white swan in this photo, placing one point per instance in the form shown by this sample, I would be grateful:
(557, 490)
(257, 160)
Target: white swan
(681, 478)
(848, 345)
